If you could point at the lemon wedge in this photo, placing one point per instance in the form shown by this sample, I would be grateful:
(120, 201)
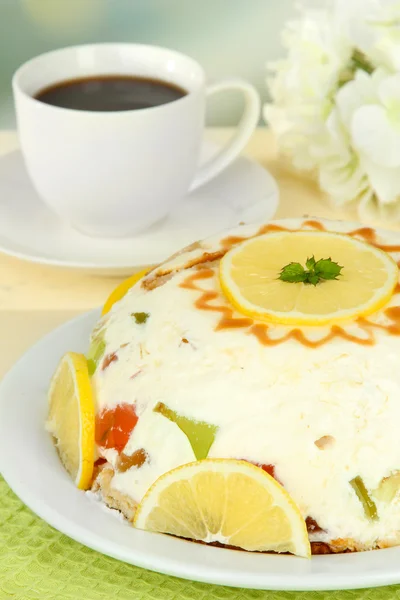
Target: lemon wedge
(119, 292)
(249, 276)
(227, 501)
(71, 417)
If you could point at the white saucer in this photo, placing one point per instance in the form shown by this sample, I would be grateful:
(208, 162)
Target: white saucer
(29, 230)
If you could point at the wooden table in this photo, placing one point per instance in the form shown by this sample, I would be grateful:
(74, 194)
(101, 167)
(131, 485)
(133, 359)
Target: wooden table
(34, 299)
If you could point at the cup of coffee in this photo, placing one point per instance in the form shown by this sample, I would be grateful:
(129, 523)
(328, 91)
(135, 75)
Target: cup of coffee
(111, 133)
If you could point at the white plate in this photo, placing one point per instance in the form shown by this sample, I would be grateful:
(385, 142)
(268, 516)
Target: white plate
(245, 191)
(30, 464)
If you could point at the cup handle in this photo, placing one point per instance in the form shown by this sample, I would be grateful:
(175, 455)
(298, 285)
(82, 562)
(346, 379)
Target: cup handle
(245, 128)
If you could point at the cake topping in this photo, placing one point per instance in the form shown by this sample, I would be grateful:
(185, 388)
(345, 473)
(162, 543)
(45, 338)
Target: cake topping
(227, 501)
(71, 417)
(315, 272)
(121, 290)
(254, 276)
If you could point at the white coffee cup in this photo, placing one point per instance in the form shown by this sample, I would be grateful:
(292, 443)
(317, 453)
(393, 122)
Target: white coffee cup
(112, 174)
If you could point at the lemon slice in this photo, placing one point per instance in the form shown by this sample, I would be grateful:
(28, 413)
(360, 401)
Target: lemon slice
(249, 276)
(119, 292)
(227, 501)
(71, 417)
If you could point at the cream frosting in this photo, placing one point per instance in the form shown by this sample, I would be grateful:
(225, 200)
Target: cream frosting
(271, 403)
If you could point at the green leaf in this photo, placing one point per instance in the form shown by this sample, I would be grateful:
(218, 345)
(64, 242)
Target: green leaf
(140, 317)
(310, 263)
(293, 273)
(322, 269)
(313, 279)
(325, 268)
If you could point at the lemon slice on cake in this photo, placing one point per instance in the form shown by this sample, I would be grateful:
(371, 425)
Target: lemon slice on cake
(71, 417)
(250, 278)
(227, 501)
(122, 289)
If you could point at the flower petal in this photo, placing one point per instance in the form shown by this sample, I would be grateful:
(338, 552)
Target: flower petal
(371, 211)
(344, 184)
(384, 181)
(362, 90)
(374, 136)
(276, 118)
(389, 91)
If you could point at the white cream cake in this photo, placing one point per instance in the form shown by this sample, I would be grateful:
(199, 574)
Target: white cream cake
(181, 375)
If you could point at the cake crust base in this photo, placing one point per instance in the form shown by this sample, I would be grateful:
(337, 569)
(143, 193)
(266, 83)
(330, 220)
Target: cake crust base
(114, 499)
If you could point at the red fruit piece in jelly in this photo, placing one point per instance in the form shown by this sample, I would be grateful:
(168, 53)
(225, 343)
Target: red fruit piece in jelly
(270, 469)
(114, 426)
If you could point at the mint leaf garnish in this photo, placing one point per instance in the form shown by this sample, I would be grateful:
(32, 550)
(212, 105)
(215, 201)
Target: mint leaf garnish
(327, 269)
(310, 263)
(323, 269)
(293, 273)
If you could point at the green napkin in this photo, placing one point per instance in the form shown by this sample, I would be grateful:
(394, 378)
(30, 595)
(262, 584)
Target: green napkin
(39, 563)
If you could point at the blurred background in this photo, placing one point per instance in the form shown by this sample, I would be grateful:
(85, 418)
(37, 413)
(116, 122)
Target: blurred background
(229, 37)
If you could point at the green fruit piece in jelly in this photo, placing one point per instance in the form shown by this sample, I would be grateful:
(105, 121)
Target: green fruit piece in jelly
(388, 488)
(368, 504)
(200, 434)
(96, 351)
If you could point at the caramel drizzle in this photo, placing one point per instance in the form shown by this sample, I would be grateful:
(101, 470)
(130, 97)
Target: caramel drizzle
(261, 330)
(317, 225)
(369, 235)
(261, 333)
(227, 321)
(366, 233)
(232, 240)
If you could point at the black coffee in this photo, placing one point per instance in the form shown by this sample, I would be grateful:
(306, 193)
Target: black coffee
(110, 93)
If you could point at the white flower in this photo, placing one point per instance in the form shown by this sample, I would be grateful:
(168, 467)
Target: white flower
(340, 172)
(377, 33)
(370, 109)
(303, 86)
(361, 160)
(336, 102)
